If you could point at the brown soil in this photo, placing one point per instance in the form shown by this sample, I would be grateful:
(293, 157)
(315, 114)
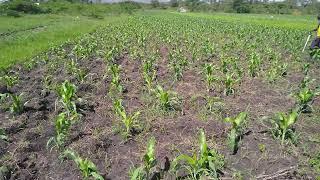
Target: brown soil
(95, 137)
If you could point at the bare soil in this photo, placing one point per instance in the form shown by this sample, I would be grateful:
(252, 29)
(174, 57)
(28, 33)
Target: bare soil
(95, 135)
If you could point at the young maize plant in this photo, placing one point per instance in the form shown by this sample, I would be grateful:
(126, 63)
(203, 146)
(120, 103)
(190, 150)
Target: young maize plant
(17, 105)
(3, 135)
(67, 94)
(238, 126)
(115, 82)
(111, 55)
(73, 69)
(177, 62)
(305, 82)
(304, 98)
(149, 162)
(71, 66)
(47, 82)
(272, 74)
(80, 74)
(149, 74)
(229, 83)
(238, 70)
(9, 81)
(283, 125)
(283, 68)
(254, 64)
(208, 72)
(306, 68)
(128, 120)
(208, 48)
(62, 126)
(166, 99)
(206, 163)
(224, 66)
(87, 167)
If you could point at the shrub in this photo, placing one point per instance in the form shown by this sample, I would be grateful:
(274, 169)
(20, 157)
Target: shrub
(13, 13)
(25, 6)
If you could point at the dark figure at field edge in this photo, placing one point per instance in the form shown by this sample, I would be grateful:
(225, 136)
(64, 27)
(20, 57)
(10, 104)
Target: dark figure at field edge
(316, 42)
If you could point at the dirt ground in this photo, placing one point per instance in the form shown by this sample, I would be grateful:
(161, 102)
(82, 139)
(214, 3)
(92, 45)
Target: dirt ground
(95, 137)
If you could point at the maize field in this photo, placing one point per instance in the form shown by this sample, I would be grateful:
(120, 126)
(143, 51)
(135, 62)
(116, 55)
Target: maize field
(164, 96)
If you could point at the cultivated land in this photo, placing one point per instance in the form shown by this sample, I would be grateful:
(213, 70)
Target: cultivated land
(175, 83)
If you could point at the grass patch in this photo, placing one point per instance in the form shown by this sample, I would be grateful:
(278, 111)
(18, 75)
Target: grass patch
(23, 38)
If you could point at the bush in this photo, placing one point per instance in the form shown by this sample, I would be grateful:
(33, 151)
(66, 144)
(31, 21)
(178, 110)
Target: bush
(25, 7)
(240, 7)
(13, 13)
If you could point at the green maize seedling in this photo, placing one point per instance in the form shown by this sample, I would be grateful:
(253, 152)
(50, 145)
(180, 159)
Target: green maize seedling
(67, 95)
(283, 69)
(110, 56)
(208, 72)
(229, 83)
(73, 69)
(254, 64)
(208, 48)
(178, 63)
(305, 82)
(115, 72)
(224, 66)
(128, 120)
(238, 125)
(149, 74)
(315, 162)
(3, 135)
(283, 124)
(166, 99)
(87, 167)
(62, 126)
(10, 81)
(149, 161)
(306, 68)
(206, 163)
(304, 97)
(17, 105)
(177, 69)
(47, 82)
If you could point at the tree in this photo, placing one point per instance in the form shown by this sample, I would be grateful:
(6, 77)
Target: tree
(240, 6)
(174, 3)
(155, 3)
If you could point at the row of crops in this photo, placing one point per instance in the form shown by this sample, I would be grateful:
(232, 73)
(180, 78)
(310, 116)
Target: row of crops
(155, 54)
